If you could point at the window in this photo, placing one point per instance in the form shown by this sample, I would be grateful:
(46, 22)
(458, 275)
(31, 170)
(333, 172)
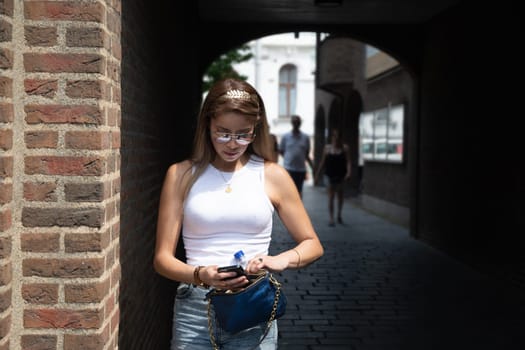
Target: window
(381, 134)
(287, 90)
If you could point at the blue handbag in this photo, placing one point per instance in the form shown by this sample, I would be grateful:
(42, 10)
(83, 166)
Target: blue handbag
(262, 301)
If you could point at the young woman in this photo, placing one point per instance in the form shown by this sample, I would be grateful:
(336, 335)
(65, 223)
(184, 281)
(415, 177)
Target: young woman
(337, 168)
(220, 201)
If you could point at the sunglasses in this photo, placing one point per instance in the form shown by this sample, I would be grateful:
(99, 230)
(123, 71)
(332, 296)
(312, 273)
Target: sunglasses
(240, 139)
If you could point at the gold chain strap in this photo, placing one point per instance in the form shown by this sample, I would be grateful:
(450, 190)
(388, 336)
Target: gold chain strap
(210, 327)
(268, 324)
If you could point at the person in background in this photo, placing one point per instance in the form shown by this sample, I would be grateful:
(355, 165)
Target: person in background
(275, 147)
(220, 201)
(295, 149)
(337, 167)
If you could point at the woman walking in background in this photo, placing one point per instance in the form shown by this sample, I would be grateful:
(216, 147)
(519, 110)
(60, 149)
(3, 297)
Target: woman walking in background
(337, 168)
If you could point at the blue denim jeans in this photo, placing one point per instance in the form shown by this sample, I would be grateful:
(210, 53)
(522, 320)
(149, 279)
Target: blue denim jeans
(190, 326)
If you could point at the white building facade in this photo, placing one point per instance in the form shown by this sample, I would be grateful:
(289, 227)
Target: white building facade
(283, 72)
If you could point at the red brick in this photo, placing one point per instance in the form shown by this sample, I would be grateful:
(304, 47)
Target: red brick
(6, 110)
(40, 293)
(64, 10)
(112, 163)
(113, 22)
(94, 140)
(111, 256)
(40, 191)
(85, 192)
(85, 341)
(115, 320)
(5, 299)
(116, 275)
(53, 165)
(85, 37)
(110, 305)
(85, 88)
(41, 36)
(40, 242)
(5, 220)
(63, 217)
(115, 140)
(113, 70)
(116, 94)
(64, 63)
(5, 325)
(38, 342)
(113, 117)
(6, 139)
(116, 47)
(62, 318)
(5, 274)
(111, 210)
(41, 139)
(6, 193)
(6, 167)
(86, 293)
(6, 31)
(63, 268)
(6, 87)
(5, 247)
(6, 58)
(86, 242)
(58, 114)
(6, 7)
(41, 87)
(115, 186)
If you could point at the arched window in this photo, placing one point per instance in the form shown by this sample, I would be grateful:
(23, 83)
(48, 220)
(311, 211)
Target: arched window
(287, 90)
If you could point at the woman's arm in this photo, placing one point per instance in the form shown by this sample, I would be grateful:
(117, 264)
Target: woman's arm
(169, 223)
(285, 198)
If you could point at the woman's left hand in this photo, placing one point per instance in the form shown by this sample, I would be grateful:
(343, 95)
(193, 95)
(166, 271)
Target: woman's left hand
(266, 262)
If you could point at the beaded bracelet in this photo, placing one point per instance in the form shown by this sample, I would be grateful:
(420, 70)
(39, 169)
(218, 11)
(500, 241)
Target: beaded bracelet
(196, 278)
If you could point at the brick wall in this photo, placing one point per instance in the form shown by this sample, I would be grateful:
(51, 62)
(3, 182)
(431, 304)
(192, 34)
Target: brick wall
(59, 174)
(6, 171)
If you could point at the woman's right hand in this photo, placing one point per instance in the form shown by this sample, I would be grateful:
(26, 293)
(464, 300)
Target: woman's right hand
(221, 280)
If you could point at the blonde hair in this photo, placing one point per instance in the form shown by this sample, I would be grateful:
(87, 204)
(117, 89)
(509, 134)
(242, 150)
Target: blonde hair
(228, 95)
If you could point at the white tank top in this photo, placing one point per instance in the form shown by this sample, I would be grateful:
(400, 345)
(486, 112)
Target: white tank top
(217, 224)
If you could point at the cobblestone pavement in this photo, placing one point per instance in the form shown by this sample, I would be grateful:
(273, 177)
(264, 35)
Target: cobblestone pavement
(378, 288)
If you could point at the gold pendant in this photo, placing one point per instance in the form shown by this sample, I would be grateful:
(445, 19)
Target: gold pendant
(228, 189)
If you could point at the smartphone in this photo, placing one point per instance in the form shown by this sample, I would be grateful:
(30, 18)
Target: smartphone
(233, 268)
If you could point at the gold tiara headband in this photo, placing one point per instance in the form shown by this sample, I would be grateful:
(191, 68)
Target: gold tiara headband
(235, 94)
(238, 95)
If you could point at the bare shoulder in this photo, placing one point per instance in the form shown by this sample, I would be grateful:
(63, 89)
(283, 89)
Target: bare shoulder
(177, 171)
(279, 186)
(274, 172)
(278, 182)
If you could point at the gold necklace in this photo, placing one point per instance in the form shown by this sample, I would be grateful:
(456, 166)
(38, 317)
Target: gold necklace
(228, 187)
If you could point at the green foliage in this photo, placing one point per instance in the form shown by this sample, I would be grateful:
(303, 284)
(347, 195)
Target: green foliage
(222, 67)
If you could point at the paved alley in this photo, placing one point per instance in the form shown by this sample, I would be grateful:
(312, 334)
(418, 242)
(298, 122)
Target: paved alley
(377, 288)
